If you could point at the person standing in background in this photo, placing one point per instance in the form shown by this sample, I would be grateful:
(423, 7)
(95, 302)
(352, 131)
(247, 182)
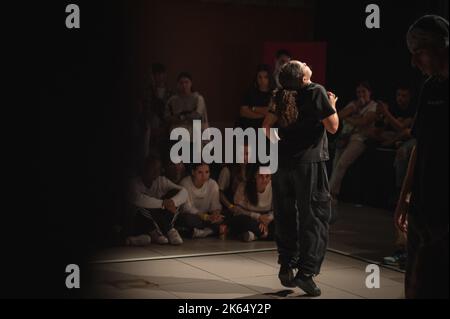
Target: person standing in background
(423, 208)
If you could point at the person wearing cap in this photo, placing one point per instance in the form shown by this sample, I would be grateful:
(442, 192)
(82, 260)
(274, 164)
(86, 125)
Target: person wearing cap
(422, 211)
(303, 111)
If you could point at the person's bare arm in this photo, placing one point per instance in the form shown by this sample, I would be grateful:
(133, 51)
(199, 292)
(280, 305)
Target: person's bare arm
(263, 110)
(247, 112)
(394, 122)
(365, 121)
(331, 123)
(269, 121)
(225, 202)
(347, 111)
(403, 202)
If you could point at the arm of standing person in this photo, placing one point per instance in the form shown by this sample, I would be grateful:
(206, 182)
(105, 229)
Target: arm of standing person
(401, 211)
(269, 121)
(253, 112)
(328, 112)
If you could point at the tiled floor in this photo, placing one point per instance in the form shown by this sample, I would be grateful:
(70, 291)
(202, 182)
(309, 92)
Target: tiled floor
(215, 269)
(360, 231)
(190, 247)
(247, 275)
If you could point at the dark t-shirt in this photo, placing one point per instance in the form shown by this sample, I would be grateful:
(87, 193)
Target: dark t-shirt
(431, 129)
(254, 98)
(398, 113)
(305, 141)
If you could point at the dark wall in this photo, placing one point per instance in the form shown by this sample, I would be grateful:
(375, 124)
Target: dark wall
(220, 44)
(85, 81)
(378, 55)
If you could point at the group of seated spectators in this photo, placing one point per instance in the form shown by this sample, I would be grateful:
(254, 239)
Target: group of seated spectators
(163, 211)
(369, 123)
(175, 201)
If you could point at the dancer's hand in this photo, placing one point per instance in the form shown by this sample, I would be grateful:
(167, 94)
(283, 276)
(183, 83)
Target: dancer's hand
(333, 99)
(401, 216)
(264, 229)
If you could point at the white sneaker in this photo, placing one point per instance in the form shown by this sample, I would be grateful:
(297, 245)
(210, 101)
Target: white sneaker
(202, 233)
(159, 238)
(174, 237)
(141, 240)
(249, 236)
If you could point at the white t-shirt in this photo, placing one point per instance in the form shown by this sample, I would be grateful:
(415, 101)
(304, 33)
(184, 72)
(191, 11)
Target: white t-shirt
(348, 128)
(150, 198)
(201, 200)
(193, 105)
(264, 206)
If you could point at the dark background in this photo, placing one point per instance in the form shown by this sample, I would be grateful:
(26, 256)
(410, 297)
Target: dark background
(89, 80)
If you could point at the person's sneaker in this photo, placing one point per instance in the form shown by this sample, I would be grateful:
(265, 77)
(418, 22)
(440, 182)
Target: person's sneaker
(397, 259)
(202, 233)
(158, 238)
(249, 236)
(141, 240)
(174, 237)
(286, 276)
(307, 284)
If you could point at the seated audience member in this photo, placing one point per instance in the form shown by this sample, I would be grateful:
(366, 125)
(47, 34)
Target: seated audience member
(156, 201)
(358, 118)
(395, 120)
(256, 100)
(201, 215)
(398, 121)
(281, 58)
(186, 106)
(253, 215)
(174, 172)
(230, 177)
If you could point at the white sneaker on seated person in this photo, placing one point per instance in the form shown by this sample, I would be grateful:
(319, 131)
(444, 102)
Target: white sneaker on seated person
(202, 233)
(249, 236)
(138, 241)
(159, 238)
(174, 237)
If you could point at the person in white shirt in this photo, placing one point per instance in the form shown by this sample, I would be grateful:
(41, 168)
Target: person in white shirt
(201, 215)
(358, 121)
(186, 106)
(253, 214)
(156, 201)
(230, 177)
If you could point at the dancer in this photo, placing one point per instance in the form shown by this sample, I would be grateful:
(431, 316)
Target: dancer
(304, 111)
